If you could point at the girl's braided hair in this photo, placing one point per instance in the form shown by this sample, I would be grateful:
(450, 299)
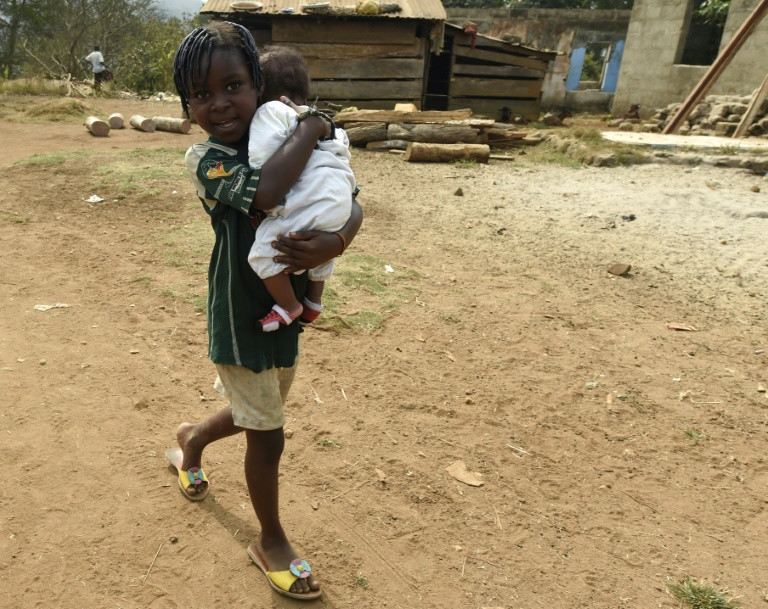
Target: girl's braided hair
(193, 58)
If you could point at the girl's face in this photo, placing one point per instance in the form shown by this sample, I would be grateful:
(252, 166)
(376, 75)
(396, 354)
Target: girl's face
(225, 103)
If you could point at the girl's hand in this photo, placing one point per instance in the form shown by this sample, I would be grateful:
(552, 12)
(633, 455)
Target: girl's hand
(298, 109)
(306, 249)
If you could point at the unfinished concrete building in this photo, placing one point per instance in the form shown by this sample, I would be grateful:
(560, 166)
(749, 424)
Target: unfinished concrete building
(669, 49)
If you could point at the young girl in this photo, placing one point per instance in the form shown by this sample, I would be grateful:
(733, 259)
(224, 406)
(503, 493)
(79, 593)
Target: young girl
(321, 199)
(217, 75)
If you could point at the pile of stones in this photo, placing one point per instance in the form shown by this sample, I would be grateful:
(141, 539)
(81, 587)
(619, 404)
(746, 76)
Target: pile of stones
(715, 115)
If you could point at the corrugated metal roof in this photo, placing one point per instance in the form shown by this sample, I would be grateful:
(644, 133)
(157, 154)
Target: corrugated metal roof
(410, 9)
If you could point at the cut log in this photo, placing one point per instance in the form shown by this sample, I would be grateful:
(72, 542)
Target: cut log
(446, 153)
(390, 116)
(116, 121)
(504, 134)
(175, 125)
(142, 123)
(434, 134)
(360, 134)
(388, 145)
(96, 126)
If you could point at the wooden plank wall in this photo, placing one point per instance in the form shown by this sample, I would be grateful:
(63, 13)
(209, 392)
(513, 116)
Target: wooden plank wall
(368, 64)
(496, 79)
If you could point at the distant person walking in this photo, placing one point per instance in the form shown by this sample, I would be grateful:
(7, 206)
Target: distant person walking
(100, 72)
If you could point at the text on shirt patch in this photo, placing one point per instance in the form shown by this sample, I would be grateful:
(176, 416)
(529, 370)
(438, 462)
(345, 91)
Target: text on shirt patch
(237, 184)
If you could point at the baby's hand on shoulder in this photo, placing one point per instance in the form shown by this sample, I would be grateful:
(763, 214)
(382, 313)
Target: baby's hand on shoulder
(290, 103)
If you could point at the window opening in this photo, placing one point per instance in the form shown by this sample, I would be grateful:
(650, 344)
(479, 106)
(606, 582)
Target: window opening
(592, 70)
(704, 31)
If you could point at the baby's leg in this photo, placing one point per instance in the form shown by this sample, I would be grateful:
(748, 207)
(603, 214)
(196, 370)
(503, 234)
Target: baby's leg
(315, 291)
(287, 307)
(312, 302)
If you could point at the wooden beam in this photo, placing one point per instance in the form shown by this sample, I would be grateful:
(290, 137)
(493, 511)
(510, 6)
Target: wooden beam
(392, 116)
(717, 68)
(366, 68)
(357, 51)
(491, 108)
(502, 58)
(470, 69)
(508, 47)
(754, 107)
(398, 90)
(491, 87)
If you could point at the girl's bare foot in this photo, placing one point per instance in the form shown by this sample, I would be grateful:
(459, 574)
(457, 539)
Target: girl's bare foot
(192, 451)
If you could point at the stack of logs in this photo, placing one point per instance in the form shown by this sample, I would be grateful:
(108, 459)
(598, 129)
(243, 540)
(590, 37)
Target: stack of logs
(101, 128)
(431, 135)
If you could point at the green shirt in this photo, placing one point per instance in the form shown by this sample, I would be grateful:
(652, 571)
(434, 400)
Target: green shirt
(237, 297)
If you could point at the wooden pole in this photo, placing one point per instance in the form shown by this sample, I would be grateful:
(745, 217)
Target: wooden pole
(96, 126)
(754, 107)
(717, 68)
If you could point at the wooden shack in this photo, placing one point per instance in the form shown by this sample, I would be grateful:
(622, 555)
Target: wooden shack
(497, 79)
(362, 60)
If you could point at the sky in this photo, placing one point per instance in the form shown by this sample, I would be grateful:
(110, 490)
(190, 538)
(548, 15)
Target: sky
(179, 8)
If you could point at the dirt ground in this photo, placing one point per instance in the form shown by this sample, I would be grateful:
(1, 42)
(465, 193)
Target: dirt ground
(616, 455)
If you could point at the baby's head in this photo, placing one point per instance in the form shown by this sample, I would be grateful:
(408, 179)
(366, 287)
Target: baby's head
(285, 73)
(192, 64)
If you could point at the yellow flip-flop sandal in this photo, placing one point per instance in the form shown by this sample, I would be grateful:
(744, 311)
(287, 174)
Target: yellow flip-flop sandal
(195, 476)
(281, 581)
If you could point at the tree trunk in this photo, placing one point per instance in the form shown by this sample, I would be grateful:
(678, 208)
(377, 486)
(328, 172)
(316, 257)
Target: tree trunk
(116, 121)
(10, 48)
(445, 153)
(176, 125)
(97, 126)
(142, 123)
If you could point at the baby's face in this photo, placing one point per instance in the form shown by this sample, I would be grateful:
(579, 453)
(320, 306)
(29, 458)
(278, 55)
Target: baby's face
(225, 103)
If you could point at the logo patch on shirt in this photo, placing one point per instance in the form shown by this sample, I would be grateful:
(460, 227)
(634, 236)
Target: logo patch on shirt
(218, 171)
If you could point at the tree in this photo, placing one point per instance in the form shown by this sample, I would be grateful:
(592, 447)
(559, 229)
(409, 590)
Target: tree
(713, 11)
(50, 38)
(147, 64)
(17, 17)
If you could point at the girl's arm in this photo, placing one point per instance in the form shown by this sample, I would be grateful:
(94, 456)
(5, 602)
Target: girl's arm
(284, 167)
(308, 249)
